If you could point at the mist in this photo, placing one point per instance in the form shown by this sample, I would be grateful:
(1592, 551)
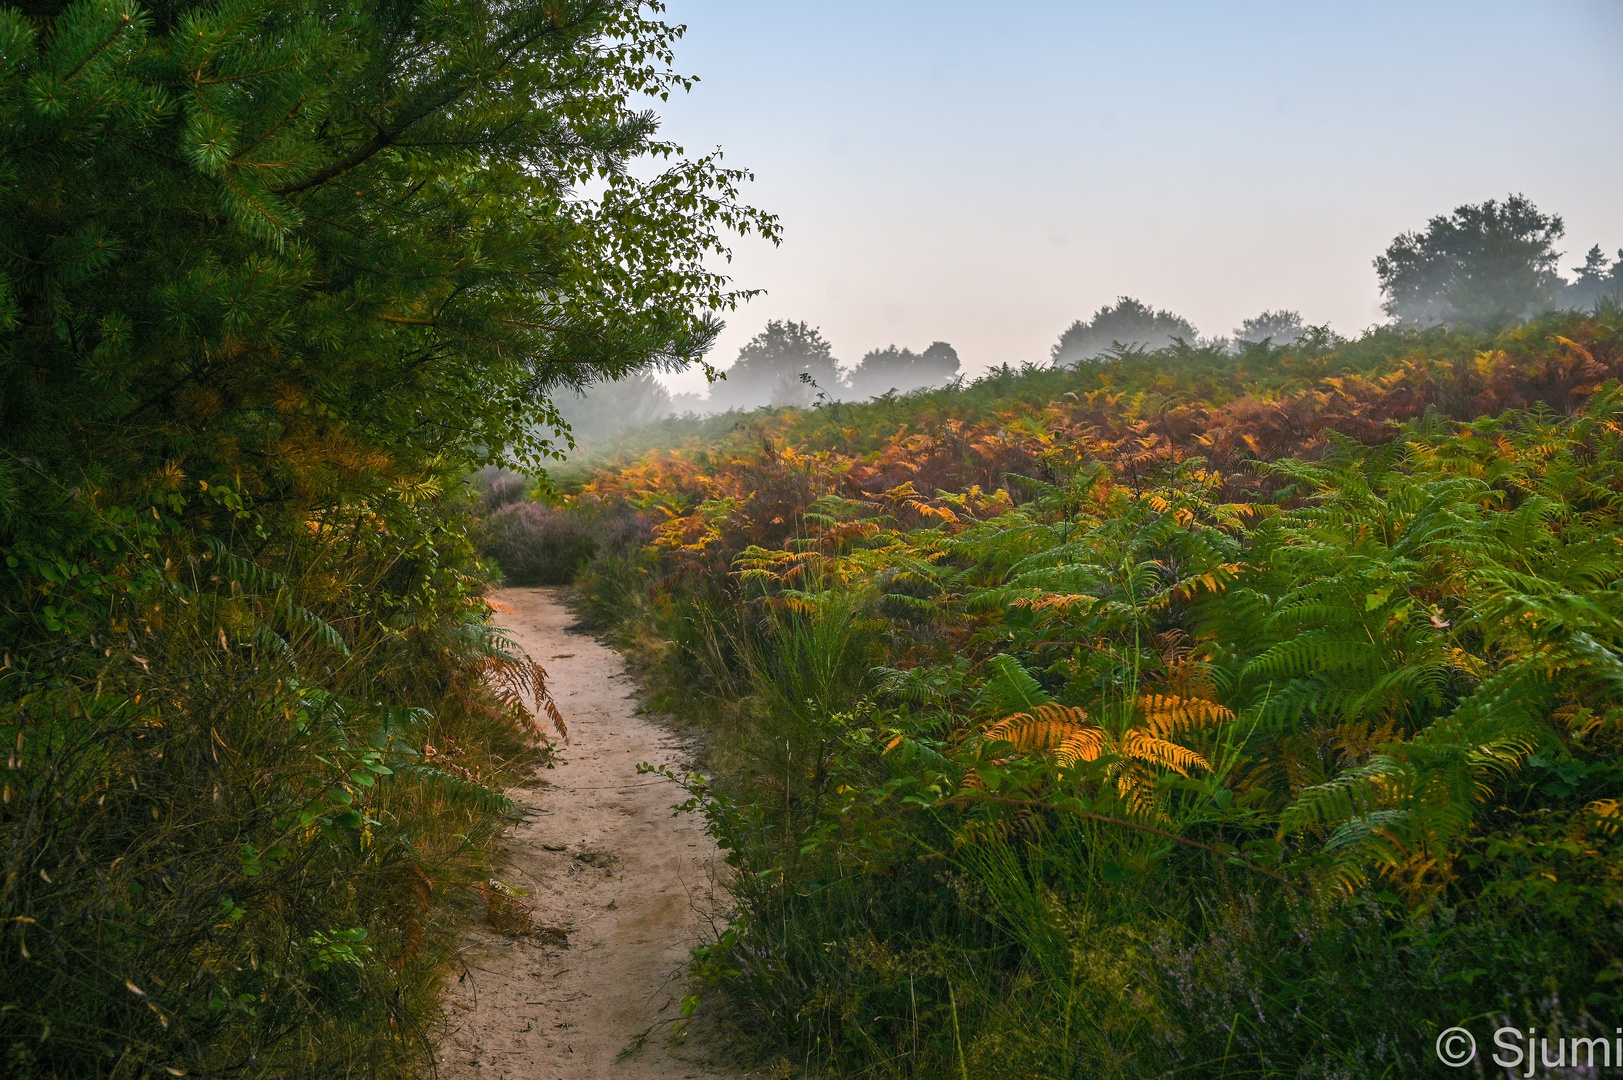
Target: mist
(988, 182)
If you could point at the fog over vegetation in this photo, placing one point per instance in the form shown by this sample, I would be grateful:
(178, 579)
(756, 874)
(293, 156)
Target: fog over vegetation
(1482, 266)
(787, 363)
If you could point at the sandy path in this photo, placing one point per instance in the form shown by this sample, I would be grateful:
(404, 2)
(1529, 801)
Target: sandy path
(605, 862)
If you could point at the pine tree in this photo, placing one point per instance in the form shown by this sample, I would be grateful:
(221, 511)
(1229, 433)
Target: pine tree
(274, 276)
(243, 237)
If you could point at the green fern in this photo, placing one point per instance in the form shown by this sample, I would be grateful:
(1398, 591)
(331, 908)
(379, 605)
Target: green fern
(1010, 689)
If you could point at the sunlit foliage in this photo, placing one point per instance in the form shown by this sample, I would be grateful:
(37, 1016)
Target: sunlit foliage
(1097, 722)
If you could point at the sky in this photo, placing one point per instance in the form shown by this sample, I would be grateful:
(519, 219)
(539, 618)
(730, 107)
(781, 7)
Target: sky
(984, 174)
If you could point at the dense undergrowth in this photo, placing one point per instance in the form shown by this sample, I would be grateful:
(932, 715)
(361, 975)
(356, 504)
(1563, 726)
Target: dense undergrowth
(1185, 714)
(242, 802)
(275, 277)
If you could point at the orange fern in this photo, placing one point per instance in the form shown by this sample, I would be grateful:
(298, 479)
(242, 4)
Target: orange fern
(1139, 745)
(1052, 600)
(1067, 733)
(1166, 715)
(517, 677)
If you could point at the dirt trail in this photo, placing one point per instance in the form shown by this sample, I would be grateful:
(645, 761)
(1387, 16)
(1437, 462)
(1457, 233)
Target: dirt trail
(605, 863)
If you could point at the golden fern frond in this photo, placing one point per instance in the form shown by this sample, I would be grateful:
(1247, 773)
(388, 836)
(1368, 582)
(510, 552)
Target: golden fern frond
(1083, 744)
(1061, 730)
(1166, 715)
(1136, 786)
(972, 782)
(1043, 728)
(1055, 600)
(516, 677)
(413, 902)
(1606, 814)
(1140, 745)
(557, 718)
(1184, 674)
(1347, 879)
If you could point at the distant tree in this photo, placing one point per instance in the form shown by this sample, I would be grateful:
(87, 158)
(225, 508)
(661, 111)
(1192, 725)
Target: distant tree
(602, 409)
(1280, 327)
(1127, 323)
(882, 370)
(769, 367)
(1485, 265)
(1595, 282)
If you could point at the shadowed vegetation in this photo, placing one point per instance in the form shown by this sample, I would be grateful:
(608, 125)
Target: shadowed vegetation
(275, 276)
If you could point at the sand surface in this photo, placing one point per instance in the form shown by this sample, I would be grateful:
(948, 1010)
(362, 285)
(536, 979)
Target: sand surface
(619, 889)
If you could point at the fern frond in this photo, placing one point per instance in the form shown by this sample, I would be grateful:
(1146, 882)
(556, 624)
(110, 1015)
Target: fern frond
(517, 677)
(1140, 745)
(1011, 687)
(924, 685)
(1354, 792)
(1135, 787)
(1369, 836)
(233, 567)
(1606, 815)
(1314, 652)
(273, 643)
(1166, 715)
(1060, 601)
(1062, 731)
(304, 619)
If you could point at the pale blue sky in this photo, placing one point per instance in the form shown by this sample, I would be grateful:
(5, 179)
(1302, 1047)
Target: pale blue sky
(986, 173)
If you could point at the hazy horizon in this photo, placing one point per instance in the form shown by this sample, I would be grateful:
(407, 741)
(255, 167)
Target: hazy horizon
(940, 177)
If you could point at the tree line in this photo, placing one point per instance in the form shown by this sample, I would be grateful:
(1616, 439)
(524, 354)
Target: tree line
(1484, 266)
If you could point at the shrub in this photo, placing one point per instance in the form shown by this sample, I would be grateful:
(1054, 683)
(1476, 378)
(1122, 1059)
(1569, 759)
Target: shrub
(248, 821)
(504, 490)
(535, 544)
